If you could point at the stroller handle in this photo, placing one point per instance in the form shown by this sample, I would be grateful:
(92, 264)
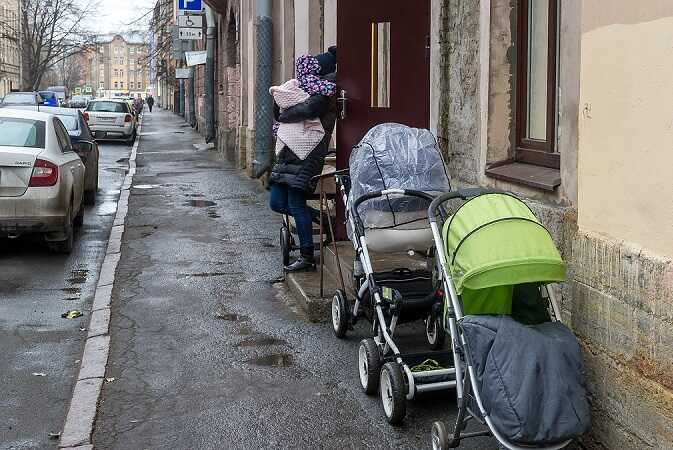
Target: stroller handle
(377, 194)
(463, 194)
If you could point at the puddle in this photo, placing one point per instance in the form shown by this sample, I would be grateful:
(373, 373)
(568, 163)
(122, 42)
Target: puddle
(244, 331)
(273, 360)
(206, 274)
(106, 208)
(231, 317)
(112, 192)
(74, 292)
(116, 169)
(199, 203)
(260, 341)
(193, 195)
(77, 280)
(268, 245)
(122, 160)
(146, 186)
(213, 215)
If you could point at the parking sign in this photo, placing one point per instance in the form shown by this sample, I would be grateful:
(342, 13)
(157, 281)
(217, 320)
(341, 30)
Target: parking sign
(190, 5)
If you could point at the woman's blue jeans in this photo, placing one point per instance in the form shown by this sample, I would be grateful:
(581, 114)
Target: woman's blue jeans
(286, 200)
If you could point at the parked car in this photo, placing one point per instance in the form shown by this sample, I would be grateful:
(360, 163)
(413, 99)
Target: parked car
(77, 101)
(61, 92)
(41, 178)
(87, 148)
(50, 98)
(111, 119)
(22, 98)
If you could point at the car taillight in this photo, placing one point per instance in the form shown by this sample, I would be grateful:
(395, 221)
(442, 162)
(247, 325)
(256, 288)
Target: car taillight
(45, 173)
(86, 116)
(128, 118)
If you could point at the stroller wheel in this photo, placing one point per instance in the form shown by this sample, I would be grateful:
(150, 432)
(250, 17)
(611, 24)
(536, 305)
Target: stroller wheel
(339, 314)
(369, 365)
(434, 332)
(440, 438)
(393, 393)
(285, 245)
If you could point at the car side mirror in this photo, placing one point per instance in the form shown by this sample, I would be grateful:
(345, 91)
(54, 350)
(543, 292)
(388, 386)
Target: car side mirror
(82, 148)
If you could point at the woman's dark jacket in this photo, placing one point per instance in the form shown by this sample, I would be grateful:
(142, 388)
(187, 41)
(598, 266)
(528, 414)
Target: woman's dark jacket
(292, 171)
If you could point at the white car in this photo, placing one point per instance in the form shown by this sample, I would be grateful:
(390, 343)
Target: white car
(41, 178)
(111, 119)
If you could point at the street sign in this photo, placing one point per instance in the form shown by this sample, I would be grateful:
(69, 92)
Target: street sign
(190, 5)
(190, 33)
(195, 58)
(190, 21)
(183, 73)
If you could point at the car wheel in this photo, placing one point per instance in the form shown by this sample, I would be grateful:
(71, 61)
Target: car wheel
(64, 246)
(90, 196)
(79, 218)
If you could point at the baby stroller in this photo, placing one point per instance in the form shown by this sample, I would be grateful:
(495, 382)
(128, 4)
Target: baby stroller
(518, 369)
(395, 171)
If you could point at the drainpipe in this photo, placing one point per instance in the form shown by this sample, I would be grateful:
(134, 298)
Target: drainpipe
(181, 106)
(263, 101)
(211, 35)
(190, 94)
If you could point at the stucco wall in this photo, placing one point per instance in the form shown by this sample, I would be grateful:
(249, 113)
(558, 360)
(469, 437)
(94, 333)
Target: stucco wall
(626, 127)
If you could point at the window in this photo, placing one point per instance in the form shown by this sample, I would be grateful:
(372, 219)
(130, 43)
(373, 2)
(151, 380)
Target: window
(15, 132)
(116, 85)
(62, 136)
(536, 89)
(100, 49)
(535, 160)
(132, 50)
(121, 73)
(102, 84)
(121, 84)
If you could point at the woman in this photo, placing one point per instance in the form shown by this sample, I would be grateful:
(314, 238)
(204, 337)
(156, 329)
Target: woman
(292, 178)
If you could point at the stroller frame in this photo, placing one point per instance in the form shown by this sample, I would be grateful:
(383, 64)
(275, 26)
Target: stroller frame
(379, 358)
(465, 376)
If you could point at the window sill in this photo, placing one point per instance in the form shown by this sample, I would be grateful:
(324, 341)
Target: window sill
(527, 174)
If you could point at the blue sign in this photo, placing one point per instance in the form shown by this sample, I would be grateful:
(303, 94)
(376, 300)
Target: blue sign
(190, 5)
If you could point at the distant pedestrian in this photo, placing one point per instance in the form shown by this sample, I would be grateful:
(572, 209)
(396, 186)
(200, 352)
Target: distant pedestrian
(150, 102)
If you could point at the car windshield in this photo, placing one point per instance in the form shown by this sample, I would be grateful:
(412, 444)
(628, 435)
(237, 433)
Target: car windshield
(16, 132)
(70, 122)
(19, 99)
(47, 95)
(77, 98)
(116, 107)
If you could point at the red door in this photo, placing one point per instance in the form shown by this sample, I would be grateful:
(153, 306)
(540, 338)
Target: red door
(384, 67)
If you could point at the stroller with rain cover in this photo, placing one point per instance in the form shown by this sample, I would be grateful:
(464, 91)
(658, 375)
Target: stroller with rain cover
(518, 369)
(395, 172)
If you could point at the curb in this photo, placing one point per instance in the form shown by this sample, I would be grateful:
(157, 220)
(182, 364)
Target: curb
(81, 415)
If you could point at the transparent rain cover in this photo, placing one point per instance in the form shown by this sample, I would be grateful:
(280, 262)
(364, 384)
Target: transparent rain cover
(390, 156)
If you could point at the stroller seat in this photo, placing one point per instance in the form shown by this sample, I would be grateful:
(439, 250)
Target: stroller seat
(415, 289)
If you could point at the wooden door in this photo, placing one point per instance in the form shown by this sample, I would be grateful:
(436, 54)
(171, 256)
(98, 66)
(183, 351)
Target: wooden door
(383, 67)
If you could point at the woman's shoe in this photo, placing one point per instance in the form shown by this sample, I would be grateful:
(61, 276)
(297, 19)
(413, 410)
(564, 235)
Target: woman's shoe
(302, 264)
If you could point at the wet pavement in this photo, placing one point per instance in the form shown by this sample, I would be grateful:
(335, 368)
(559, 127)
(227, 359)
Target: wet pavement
(208, 349)
(40, 350)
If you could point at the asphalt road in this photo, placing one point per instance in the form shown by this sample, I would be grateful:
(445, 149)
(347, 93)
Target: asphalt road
(36, 287)
(208, 351)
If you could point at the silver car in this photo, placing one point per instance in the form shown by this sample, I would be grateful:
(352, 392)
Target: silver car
(111, 119)
(41, 178)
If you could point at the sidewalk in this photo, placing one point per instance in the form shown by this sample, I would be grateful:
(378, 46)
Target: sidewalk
(207, 352)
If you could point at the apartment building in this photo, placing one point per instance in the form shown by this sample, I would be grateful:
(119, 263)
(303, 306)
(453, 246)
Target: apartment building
(10, 54)
(119, 65)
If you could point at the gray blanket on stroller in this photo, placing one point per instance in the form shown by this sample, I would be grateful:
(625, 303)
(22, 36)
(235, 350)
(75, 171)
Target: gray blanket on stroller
(531, 378)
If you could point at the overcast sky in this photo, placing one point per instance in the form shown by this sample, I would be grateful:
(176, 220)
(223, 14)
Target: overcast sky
(115, 14)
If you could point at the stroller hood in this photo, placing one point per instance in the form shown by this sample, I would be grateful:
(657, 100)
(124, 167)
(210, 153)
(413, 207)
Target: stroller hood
(390, 156)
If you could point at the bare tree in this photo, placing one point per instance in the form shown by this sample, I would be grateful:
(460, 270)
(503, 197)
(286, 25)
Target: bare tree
(52, 31)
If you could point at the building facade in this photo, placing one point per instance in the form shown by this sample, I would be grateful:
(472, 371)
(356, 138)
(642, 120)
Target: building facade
(10, 44)
(119, 65)
(563, 103)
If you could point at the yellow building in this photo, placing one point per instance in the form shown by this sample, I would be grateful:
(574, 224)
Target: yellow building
(10, 56)
(120, 65)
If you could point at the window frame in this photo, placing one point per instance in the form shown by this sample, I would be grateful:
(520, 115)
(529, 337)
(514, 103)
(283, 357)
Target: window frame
(62, 136)
(531, 151)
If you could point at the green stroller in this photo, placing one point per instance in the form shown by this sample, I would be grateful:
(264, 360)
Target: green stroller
(519, 370)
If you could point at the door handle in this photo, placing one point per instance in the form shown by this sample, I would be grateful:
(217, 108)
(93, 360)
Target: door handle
(342, 100)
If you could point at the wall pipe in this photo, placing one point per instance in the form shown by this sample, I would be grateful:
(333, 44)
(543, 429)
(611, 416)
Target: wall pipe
(263, 102)
(211, 35)
(191, 94)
